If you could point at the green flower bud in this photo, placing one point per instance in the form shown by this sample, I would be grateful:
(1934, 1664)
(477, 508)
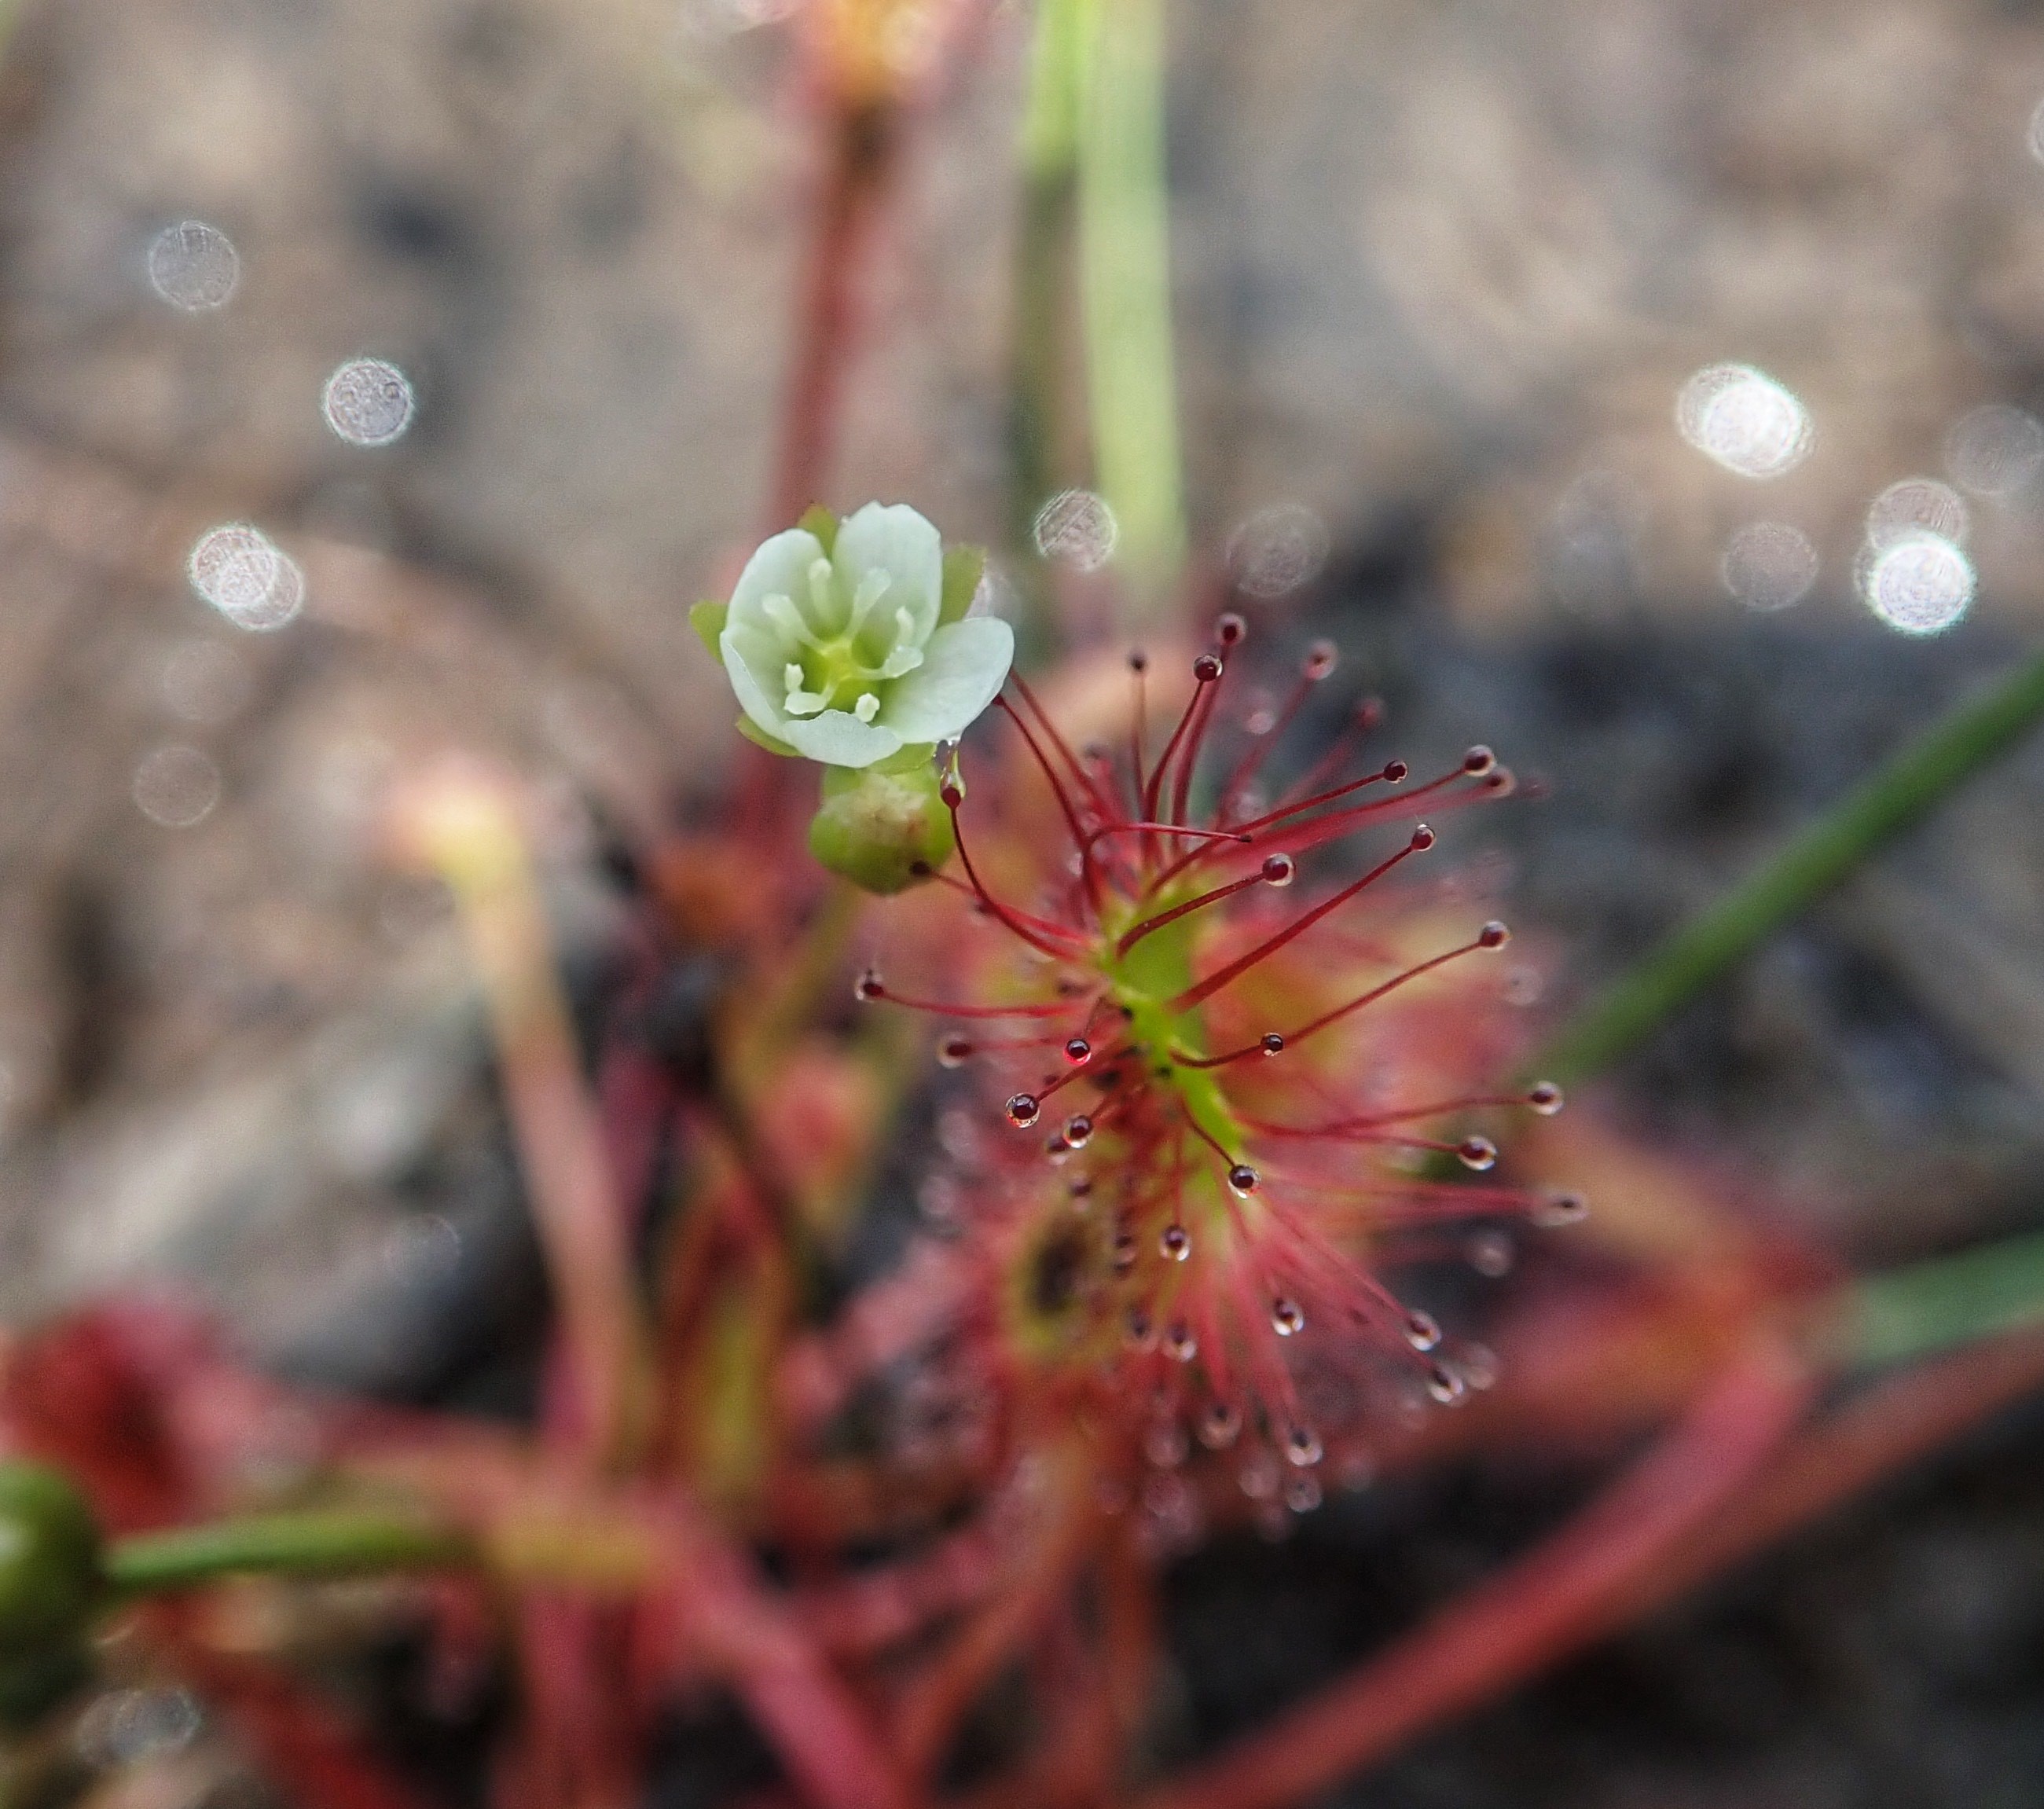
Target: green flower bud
(883, 828)
(50, 1583)
(50, 1576)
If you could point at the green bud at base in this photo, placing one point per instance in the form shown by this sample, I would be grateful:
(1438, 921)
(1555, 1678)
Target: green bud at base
(50, 1576)
(883, 828)
(50, 1582)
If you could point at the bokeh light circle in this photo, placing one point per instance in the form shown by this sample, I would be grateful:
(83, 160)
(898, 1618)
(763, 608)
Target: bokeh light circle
(1744, 420)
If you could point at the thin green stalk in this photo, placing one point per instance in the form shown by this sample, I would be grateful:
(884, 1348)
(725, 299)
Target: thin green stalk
(1934, 1306)
(1125, 289)
(1913, 781)
(321, 1543)
(1050, 156)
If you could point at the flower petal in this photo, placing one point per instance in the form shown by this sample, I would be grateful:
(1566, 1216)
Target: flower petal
(893, 538)
(753, 662)
(839, 738)
(964, 666)
(780, 568)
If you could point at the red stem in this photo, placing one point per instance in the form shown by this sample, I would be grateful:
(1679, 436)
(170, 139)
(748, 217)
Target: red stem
(861, 160)
(1553, 1600)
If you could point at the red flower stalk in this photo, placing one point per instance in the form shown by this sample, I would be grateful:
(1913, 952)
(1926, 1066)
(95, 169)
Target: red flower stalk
(1240, 1100)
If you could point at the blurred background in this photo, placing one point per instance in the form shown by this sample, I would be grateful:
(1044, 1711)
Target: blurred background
(1562, 361)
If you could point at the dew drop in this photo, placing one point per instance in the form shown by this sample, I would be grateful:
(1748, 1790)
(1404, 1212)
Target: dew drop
(1302, 1447)
(1321, 658)
(1996, 450)
(1219, 1425)
(950, 788)
(1556, 1209)
(1124, 1253)
(1544, 1097)
(1165, 1445)
(1444, 1385)
(1078, 1051)
(1490, 1253)
(1276, 549)
(176, 787)
(1286, 1319)
(1272, 1043)
(1478, 761)
(1076, 528)
(1396, 772)
(368, 402)
(1493, 934)
(1243, 1179)
(1179, 1342)
(1745, 421)
(1423, 837)
(1078, 1131)
(194, 267)
(1139, 661)
(238, 570)
(1176, 1242)
(1914, 506)
(1302, 1494)
(953, 1051)
(870, 986)
(1478, 1153)
(1479, 1366)
(1769, 564)
(1081, 1190)
(1279, 870)
(1422, 1331)
(1922, 585)
(1137, 1329)
(1207, 667)
(1023, 1109)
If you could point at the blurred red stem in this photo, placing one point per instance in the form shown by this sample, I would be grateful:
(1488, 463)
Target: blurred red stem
(861, 159)
(1551, 1602)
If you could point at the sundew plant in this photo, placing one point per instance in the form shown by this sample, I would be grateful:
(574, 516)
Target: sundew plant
(1102, 1045)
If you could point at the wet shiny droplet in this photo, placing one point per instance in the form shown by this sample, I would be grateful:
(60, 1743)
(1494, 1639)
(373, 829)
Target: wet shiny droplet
(1286, 1319)
(1279, 870)
(1478, 1153)
(1023, 1110)
(1176, 1242)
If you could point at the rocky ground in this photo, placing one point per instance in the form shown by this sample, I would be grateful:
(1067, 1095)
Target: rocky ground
(1441, 273)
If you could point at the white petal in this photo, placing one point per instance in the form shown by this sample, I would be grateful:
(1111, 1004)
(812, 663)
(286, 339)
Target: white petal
(893, 538)
(780, 568)
(752, 663)
(839, 738)
(964, 667)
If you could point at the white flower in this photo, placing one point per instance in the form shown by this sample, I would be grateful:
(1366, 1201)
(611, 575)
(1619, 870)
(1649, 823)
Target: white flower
(850, 652)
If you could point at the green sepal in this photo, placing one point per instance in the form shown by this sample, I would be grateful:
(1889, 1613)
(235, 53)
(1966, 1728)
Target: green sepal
(759, 738)
(707, 619)
(50, 1576)
(819, 521)
(964, 566)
